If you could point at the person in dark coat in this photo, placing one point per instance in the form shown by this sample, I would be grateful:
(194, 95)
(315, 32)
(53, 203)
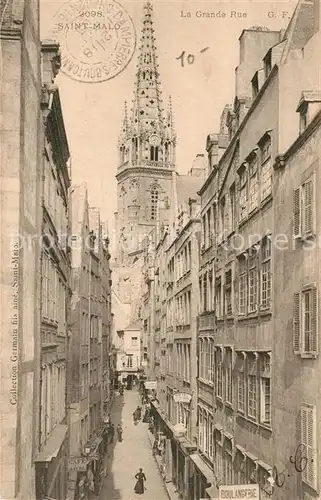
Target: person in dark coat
(139, 486)
(120, 432)
(112, 433)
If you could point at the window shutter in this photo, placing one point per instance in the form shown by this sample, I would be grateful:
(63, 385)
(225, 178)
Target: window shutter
(309, 443)
(314, 321)
(297, 212)
(296, 323)
(308, 206)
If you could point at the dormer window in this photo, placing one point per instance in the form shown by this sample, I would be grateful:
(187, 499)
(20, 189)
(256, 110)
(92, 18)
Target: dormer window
(309, 106)
(255, 85)
(268, 63)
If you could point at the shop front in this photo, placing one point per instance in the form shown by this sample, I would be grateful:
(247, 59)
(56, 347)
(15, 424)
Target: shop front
(51, 466)
(175, 452)
(204, 481)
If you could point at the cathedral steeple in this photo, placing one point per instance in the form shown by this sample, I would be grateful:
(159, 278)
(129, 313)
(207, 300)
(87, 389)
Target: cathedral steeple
(147, 102)
(147, 152)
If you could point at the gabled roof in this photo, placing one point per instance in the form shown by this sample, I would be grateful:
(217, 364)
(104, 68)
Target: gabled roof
(187, 187)
(133, 326)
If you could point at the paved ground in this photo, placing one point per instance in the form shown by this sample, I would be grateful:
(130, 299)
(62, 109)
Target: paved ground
(125, 458)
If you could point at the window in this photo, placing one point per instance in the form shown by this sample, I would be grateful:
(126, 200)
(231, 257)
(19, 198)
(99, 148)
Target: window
(251, 471)
(265, 393)
(210, 290)
(228, 292)
(212, 361)
(210, 438)
(251, 388)
(134, 341)
(243, 192)
(304, 209)
(222, 218)
(267, 63)
(240, 384)
(228, 375)
(242, 285)
(266, 168)
(228, 462)
(209, 228)
(255, 85)
(201, 358)
(218, 372)
(240, 466)
(205, 292)
(253, 183)
(218, 297)
(129, 360)
(303, 119)
(154, 202)
(305, 327)
(154, 153)
(266, 279)
(233, 207)
(309, 444)
(253, 283)
(219, 457)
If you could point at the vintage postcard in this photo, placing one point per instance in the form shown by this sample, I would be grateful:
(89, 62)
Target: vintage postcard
(160, 259)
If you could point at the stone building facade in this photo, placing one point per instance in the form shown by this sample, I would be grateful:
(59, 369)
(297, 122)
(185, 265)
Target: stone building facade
(170, 310)
(52, 433)
(255, 412)
(21, 214)
(90, 335)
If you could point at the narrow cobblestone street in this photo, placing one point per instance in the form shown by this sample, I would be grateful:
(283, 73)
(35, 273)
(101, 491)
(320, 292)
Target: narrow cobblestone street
(124, 459)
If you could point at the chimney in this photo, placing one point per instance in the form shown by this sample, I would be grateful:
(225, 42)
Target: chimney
(254, 44)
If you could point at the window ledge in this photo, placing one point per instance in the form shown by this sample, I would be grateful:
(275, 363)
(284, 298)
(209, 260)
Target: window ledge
(266, 426)
(229, 405)
(266, 200)
(307, 355)
(248, 419)
(253, 212)
(206, 382)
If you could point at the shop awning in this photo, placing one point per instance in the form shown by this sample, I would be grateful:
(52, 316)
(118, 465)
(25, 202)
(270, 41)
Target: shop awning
(51, 448)
(212, 493)
(203, 468)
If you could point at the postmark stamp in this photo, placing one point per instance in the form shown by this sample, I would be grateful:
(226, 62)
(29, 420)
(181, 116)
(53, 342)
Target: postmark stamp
(97, 39)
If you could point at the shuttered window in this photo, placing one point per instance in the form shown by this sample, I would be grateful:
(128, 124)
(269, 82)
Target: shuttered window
(309, 445)
(305, 322)
(304, 209)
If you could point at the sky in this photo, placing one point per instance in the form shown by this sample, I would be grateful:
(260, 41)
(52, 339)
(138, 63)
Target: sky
(93, 112)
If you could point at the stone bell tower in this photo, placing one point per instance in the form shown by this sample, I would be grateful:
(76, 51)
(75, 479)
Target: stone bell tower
(146, 148)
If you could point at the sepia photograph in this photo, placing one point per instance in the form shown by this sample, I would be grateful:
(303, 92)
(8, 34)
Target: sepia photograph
(160, 263)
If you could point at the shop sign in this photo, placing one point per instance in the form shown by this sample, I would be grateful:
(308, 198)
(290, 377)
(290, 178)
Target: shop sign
(77, 463)
(150, 384)
(182, 397)
(234, 492)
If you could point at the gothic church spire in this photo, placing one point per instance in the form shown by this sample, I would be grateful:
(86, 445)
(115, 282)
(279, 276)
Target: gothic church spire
(147, 113)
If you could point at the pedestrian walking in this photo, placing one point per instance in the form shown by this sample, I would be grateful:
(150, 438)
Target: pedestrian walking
(120, 433)
(112, 433)
(140, 486)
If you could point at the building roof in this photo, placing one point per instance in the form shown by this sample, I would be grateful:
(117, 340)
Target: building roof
(133, 326)
(187, 187)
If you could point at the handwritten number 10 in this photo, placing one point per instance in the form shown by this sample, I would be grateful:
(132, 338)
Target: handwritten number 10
(190, 58)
